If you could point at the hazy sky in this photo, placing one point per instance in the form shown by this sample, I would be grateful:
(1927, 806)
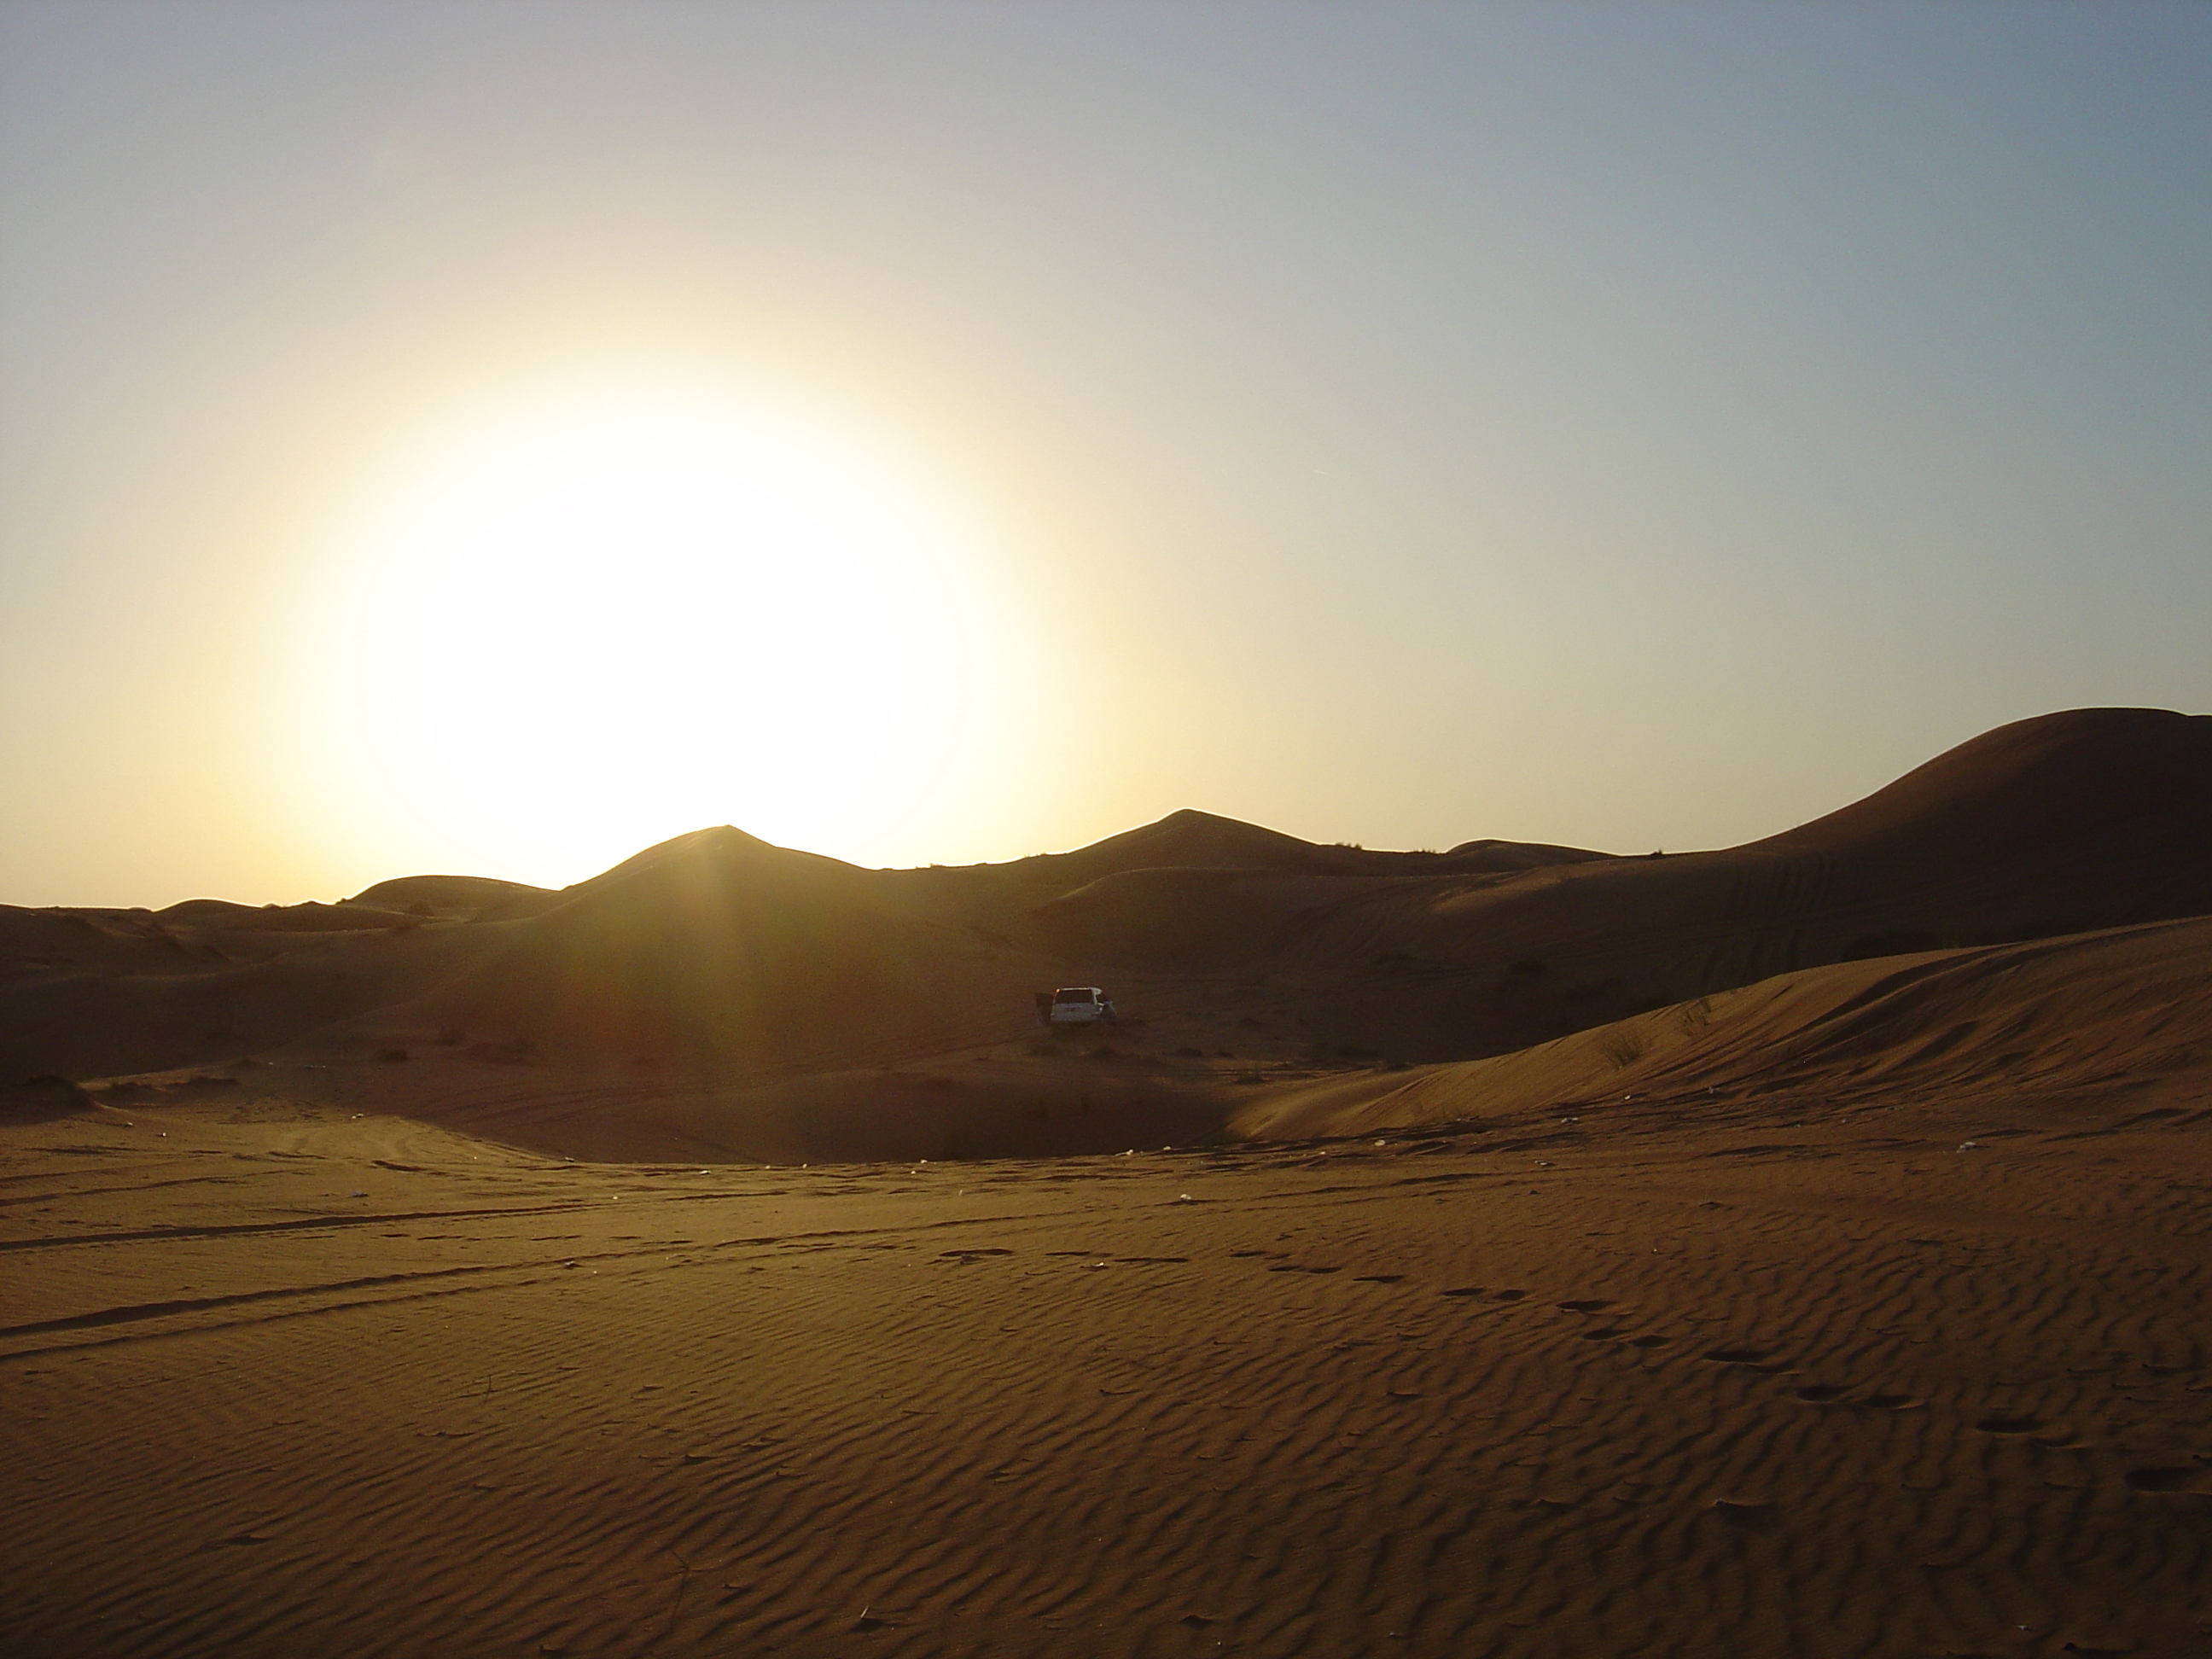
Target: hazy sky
(1630, 425)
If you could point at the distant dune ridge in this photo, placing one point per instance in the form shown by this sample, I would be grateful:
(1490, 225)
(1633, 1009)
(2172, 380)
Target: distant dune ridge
(723, 996)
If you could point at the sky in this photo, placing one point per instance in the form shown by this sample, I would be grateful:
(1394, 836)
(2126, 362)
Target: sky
(492, 438)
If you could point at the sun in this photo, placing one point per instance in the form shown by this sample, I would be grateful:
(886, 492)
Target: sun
(574, 624)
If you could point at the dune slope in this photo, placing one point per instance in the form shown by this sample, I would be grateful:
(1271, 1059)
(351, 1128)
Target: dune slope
(2123, 1014)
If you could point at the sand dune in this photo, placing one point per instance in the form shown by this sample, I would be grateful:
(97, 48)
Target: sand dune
(2121, 1016)
(465, 898)
(2091, 819)
(1797, 1251)
(717, 955)
(716, 996)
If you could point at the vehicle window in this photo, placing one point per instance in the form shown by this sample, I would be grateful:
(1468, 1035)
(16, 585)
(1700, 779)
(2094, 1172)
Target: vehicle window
(1072, 996)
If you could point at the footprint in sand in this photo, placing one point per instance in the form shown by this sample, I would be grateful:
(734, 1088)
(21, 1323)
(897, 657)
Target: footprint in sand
(2001, 1425)
(1736, 1356)
(1649, 1341)
(1591, 1305)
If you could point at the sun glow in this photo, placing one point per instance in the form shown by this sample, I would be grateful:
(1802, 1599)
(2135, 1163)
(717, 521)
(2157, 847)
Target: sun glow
(580, 625)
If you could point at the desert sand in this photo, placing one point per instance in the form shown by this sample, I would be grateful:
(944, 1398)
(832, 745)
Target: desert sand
(1796, 1249)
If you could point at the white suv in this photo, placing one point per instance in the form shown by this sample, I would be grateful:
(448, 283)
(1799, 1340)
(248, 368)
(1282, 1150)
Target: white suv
(1080, 1004)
